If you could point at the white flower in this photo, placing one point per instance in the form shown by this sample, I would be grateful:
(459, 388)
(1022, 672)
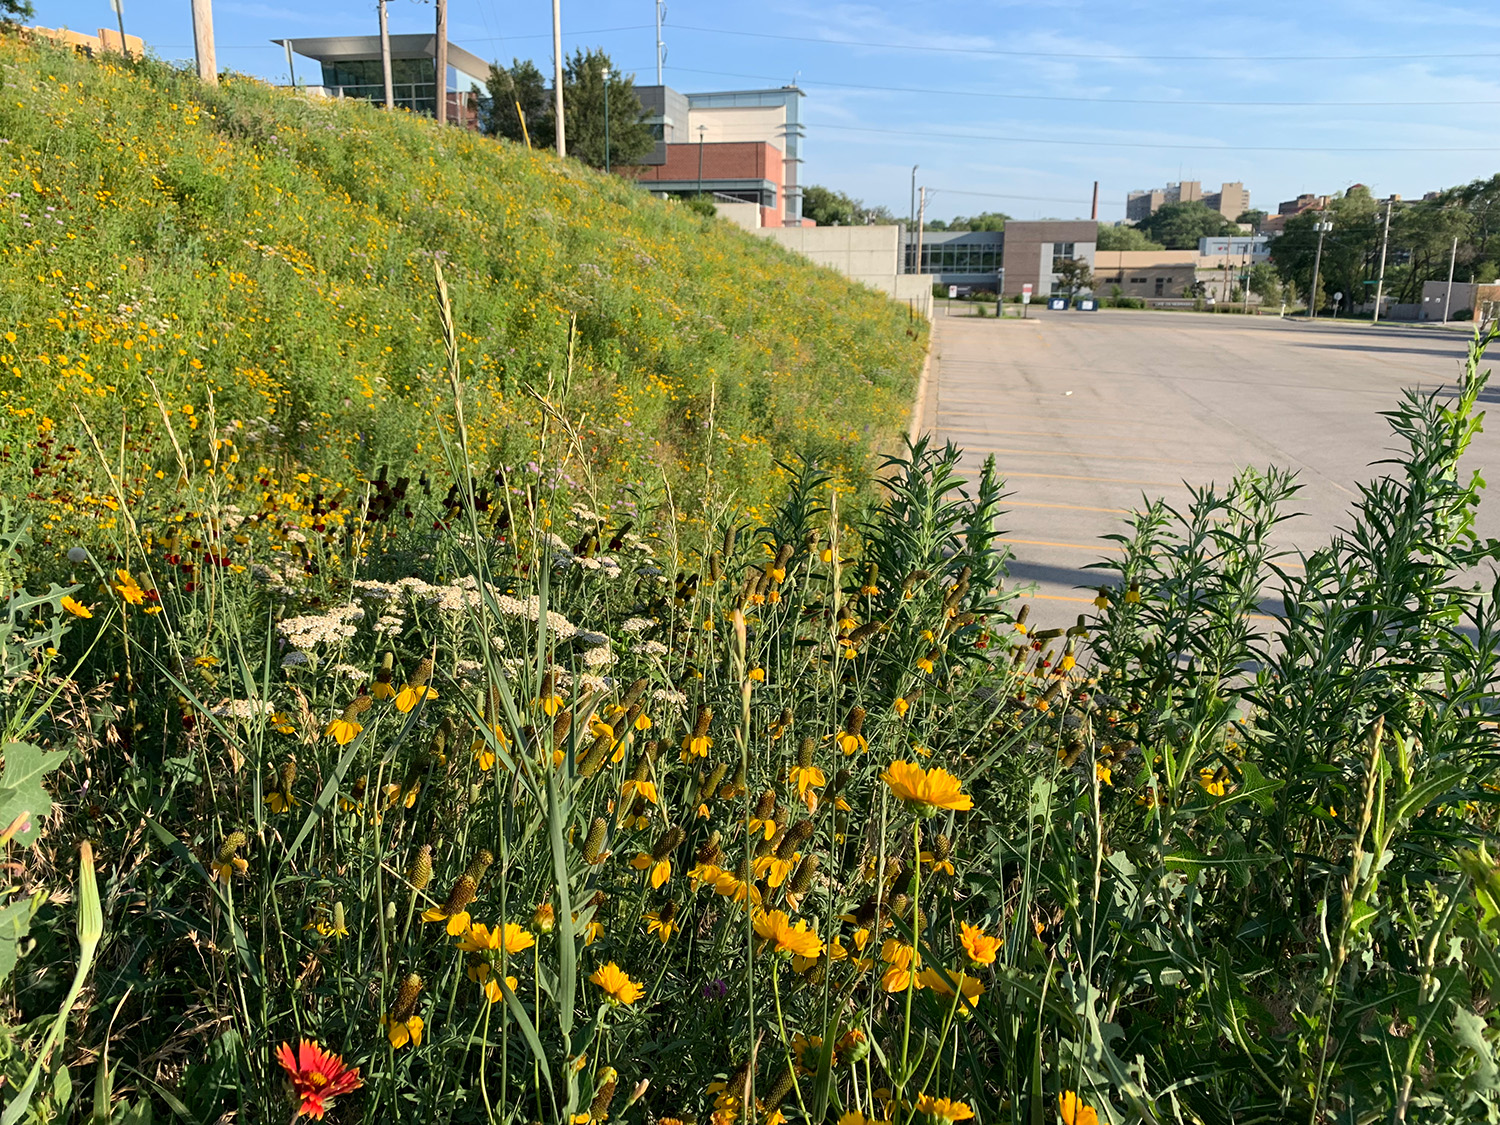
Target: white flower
(586, 637)
(650, 648)
(669, 696)
(599, 657)
(638, 624)
(295, 659)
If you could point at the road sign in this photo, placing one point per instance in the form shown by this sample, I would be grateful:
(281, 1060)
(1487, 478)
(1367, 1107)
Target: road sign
(953, 291)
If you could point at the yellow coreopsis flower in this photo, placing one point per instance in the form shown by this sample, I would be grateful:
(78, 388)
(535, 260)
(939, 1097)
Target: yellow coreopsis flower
(926, 791)
(1072, 1110)
(778, 931)
(616, 985)
(943, 1109)
(980, 947)
(128, 588)
(969, 987)
(77, 609)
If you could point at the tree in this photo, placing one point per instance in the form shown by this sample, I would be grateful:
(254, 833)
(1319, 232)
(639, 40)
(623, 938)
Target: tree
(985, 220)
(1179, 226)
(1350, 251)
(1264, 282)
(828, 208)
(1073, 274)
(1251, 218)
(1124, 238)
(519, 93)
(12, 11)
(938, 224)
(584, 105)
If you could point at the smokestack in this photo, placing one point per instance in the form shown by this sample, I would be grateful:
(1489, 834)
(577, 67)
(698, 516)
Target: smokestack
(1094, 214)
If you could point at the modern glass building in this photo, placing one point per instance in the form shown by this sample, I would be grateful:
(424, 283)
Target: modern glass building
(350, 68)
(958, 257)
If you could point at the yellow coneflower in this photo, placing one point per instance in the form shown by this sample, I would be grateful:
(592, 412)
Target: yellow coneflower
(346, 727)
(763, 819)
(280, 798)
(804, 774)
(872, 574)
(1214, 782)
(547, 699)
(226, 862)
(663, 922)
(937, 857)
(850, 740)
(928, 662)
(416, 688)
(777, 570)
(419, 871)
(402, 1024)
(697, 743)
(454, 909)
(593, 843)
(1133, 594)
(381, 688)
(902, 965)
(781, 725)
(659, 860)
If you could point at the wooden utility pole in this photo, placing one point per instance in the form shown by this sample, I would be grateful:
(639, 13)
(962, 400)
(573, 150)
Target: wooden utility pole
(441, 62)
(385, 57)
(557, 78)
(1385, 239)
(1448, 293)
(203, 41)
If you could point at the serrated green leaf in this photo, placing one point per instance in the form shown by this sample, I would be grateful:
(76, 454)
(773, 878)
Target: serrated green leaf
(15, 923)
(21, 787)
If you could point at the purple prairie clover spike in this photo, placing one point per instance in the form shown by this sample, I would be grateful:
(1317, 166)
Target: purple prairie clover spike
(716, 989)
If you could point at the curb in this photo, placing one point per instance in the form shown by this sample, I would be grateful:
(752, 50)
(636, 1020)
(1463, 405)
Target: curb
(921, 400)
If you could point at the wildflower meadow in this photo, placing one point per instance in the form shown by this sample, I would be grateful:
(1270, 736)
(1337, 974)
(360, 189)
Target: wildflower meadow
(436, 761)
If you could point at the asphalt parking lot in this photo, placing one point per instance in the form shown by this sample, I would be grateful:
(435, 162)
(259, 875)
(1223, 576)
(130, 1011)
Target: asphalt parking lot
(1086, 413)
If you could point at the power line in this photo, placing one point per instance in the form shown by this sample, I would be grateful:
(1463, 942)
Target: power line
(482, 39)
(1138, 144)
(1050, 54)
(1067, 98)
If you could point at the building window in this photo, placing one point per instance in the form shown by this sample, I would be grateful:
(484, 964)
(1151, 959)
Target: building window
(1061, 251)
(1139, 280)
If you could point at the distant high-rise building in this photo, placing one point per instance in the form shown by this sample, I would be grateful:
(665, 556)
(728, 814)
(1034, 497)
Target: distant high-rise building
(1231, 200)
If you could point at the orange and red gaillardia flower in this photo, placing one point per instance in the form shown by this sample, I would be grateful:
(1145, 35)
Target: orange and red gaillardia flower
(318, 1076)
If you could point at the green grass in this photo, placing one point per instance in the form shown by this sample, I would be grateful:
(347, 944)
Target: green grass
(165, 242)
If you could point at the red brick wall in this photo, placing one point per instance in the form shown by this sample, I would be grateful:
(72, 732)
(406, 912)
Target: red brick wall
(732, 160)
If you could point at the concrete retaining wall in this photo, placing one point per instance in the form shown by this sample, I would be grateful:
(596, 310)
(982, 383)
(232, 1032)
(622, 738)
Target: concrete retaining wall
(865, 254)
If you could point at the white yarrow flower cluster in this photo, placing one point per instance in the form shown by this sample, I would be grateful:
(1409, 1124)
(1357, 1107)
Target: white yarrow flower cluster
(311, 630)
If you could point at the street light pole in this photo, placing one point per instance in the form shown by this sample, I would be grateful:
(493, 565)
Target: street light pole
(557, 79)
(385, 57)
(1312, 298)
(440, 62)
(1385, 239)
(921, 220)
(606, 120)
(911, 222)
(1448, 293)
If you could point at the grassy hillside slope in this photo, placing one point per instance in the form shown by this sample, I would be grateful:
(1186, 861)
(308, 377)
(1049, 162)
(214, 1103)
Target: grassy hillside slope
(163, 241)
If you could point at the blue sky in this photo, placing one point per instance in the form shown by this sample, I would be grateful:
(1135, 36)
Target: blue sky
(1012, 106)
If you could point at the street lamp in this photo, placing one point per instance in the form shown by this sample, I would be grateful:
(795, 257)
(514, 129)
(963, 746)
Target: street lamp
(1322, 228)
(701, 130)
(606, 120)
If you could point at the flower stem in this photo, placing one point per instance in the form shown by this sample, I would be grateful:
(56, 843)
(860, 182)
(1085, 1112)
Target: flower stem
(911, 966)
(785, 1042)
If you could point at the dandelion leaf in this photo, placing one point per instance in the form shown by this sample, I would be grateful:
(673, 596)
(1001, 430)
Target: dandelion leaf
(21, 794)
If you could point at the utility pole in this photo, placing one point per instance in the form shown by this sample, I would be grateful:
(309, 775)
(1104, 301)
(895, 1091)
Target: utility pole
(385, 57)
(119, 7)
(1094, 211)
(911, 223)
(203, 42)
(661, 50)
(1385, 239)
(606, 120)
(1448, 293)
(557, 79)
(1312, 298)
(440, 62)
(921, 221)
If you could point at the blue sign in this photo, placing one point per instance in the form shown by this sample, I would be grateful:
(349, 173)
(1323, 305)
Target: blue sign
(1057, 302)
(1088, 304)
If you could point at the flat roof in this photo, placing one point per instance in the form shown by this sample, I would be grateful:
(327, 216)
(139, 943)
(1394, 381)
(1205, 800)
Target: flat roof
(367, 47)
